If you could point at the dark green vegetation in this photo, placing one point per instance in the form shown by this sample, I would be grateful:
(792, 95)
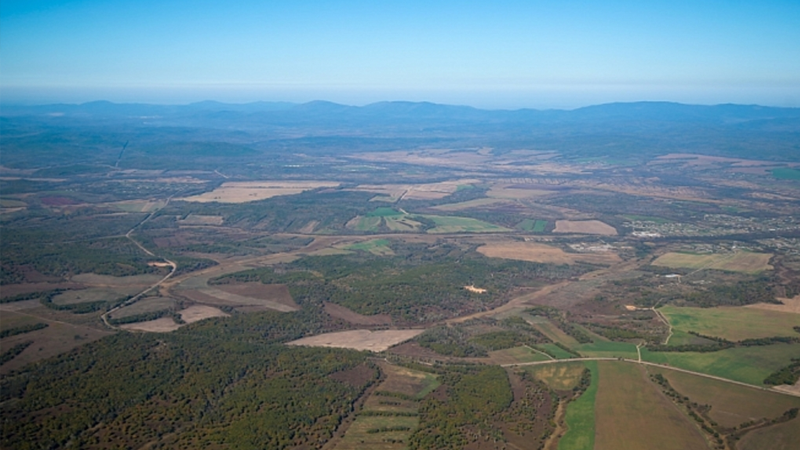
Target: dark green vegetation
(787, 375)
(217, 383)
(23, 329)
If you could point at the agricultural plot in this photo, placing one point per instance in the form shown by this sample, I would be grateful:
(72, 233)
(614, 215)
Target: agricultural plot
(580, 417)
(784, 436)
(732, 323)
(93, 279)
(746, 364)
(251, 191)
(94, 295)
(379, 247)
(584, 227)
(144, 306)
(541, 253)
(731, 404)
(630, 414)
(561, 376)
(469, 204)
(199, 219)
(608, 349)
(451, 224)
(246, 297)
(746, 262)
(376, 341)
(536, 226)
(503, 191)
(516, 355)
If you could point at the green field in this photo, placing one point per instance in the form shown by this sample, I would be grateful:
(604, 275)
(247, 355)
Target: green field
(452, 224)
(732, 323)
(536, 226)
(557, 351)
(580, 418)
(520, 354)
(746, 364)
(786, 174)
(378, 247)
(608, 349)
(384, 211)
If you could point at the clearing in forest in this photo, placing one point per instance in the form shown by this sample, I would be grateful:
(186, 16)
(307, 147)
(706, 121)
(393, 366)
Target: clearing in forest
(739, 261)
(541, 253)
(584, 227)
(376, 341)
(250, 191)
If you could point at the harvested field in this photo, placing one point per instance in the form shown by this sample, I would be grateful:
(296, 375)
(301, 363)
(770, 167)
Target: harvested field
(409, 382)
(747, 262)
(477, 203)
(197, 219)
(376, 341)
(162, 325)
(10, 290)
(631, 413)
(57, 338)
(584, 227)
(541, 253)
(145, 305)
(250, 191)
(732, 322)
(453, 224)
(276, 298)
(378, 247)
(608, 349)
(340, 312)
(516, 355)
(514, 192)
(731, 404)
(196, 313)
(108, 280)
(783, 436)
(138, 206)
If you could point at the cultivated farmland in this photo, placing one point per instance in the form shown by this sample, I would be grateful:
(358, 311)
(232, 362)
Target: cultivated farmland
(731, 322)
(740, 261)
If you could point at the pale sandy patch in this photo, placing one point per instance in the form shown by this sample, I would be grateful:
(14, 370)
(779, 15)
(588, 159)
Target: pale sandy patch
(474, 289)
(162, 325)
(376, 341)
(250, 191)
(790, 305)
(793, 389)
(584, 227)
(196, 313)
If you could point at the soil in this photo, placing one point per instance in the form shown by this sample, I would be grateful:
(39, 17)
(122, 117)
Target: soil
(341, 312)
(584, 227)
(376, 341)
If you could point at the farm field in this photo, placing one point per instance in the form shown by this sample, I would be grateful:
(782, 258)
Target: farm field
(731, 404)
(379, 247)
(146, 305)
(561, 376)
(376, 341)
(542, 253)
(732, 323)
(536, 226)
(516, 355)
(251, 191)
(584, 227)
(471, 204)
(747, 262)
(580, 416)
(784, 436)
(632, 414)
(746, 364)
(607, 349)
(452, 224)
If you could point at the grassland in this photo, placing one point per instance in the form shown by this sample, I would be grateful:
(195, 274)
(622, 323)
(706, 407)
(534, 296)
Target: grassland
(250, 191)
(477, 203)
(732, 323)
(746, 364)
(378, 247)
(584, 227)
(516, 355)
(561, 377)
(453, 224)
(536, 226)
(731, 404)
(746, 262)
(542, 253)
(608, 349)
(557, 352)
(786, 174)
(631, 414)
(580, 417)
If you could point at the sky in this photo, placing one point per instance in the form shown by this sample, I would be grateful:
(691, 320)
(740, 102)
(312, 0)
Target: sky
(488, 54)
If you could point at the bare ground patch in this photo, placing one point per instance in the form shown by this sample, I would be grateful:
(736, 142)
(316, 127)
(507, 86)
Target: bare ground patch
(535, 252)
(250, 191)
(196, 313)
(376, 341)
(584, 227)
(790, 305)
(340, 312)
(748, 262)
(278, 293)
(219, 297)
(162, 325)
(108, 280)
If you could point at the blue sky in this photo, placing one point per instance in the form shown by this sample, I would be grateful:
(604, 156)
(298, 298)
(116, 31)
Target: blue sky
(499, 54)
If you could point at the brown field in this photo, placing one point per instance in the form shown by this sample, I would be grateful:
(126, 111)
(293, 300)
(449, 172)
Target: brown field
(535, 252)
(584, 227)
(731, 404)
(430, 191)
(198, 219)
(561, 377)
(516, 355)
(280, 300)
(340, 312)
(278, 293)
(162, 325)
(196, 313)
(95, 294)
(376, 341)
(477, 203)
(784, 436)
(57, 338)
(747, 262)
(145, 305)
(250, 191)
(631, 413)
(94, 279)
(513, 191)
(10, 290)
